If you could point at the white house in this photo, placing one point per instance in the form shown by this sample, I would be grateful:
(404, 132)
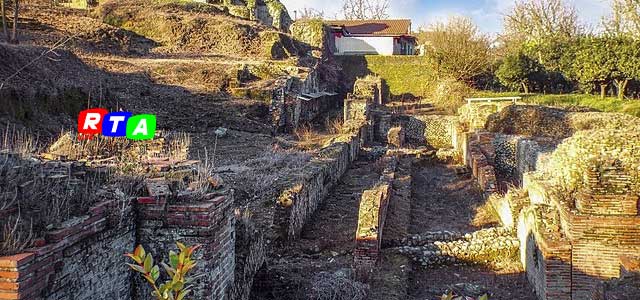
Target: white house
(382, 37)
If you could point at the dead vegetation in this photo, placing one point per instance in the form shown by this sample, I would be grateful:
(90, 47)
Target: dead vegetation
(337, 286)
(257, 176)
(196, 27)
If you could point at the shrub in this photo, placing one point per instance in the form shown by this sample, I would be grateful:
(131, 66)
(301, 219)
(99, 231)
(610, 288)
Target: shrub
(177, 287)
(449, 94)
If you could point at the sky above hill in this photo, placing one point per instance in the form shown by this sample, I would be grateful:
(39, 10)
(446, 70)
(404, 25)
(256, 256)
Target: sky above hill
(488, 14)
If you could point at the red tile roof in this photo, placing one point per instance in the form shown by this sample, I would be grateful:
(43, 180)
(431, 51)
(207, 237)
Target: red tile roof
(374, 27)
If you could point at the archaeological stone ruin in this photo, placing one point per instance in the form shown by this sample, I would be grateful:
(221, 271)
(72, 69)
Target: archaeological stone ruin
(296, 174)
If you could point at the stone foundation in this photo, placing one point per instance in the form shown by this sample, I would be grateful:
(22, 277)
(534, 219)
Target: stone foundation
(305, 191)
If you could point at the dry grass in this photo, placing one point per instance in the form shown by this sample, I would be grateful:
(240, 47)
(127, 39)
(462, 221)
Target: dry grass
(18, 142)
(13, 239)
(334, 125)
(259, 175)
(328, 286)
(305, 133)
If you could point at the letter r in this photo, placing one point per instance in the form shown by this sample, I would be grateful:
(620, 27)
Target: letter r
(90, 121)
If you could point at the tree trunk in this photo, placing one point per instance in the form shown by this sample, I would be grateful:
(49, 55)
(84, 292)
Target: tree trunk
(4, 19)
(16, 9)
(622, 88)
(603, 90)
(525, 87)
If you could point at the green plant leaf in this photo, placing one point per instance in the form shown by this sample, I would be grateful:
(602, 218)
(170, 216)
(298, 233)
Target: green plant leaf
(484, 297)
(148, 263)
(181, 246)
(171, 271)
(178, 286)
(173, 259)
(136, 268)
(155, 273)
(135, 258)
(183, 294)
(139, 252)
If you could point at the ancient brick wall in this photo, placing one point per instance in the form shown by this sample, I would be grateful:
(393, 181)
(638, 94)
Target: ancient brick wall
(305, 191)
(83, 260)
(210, 222)
(250, 256)
(371, 219)
(545, 256)
(479, 154)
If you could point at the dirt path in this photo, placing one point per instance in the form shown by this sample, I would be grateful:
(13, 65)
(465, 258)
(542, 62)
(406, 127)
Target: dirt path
(326, 243)
(443, 200)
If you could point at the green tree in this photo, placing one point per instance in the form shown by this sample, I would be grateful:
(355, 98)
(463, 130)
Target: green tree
(519, 70)
(596, 62)
(627, 63)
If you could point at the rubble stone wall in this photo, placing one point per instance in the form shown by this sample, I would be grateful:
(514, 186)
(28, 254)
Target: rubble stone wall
(306, 190)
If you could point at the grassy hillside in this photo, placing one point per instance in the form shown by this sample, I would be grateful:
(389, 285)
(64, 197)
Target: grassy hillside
(412, 75)
(610, 104)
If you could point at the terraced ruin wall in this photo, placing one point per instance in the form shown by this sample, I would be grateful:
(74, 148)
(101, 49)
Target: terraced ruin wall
(83, 260)
(307, 189)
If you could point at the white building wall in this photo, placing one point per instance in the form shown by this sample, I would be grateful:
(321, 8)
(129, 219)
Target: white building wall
(382, 45)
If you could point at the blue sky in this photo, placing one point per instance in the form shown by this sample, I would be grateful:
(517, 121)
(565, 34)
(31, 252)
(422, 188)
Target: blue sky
(486, 13)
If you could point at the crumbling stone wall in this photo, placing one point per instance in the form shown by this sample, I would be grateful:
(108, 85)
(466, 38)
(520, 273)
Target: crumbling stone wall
(304, 192)
(209, 221)
(83, 260)
(596, 202)
(435, 249)
(476, 114)
(545, 254)
(478, 155)
(371, 219)
(300, 99)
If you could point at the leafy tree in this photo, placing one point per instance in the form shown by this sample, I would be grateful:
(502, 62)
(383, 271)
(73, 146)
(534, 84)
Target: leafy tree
(458, 48)
(517, 70)
(596, 62)
(627, 63)
(543, 28)
(365, 9)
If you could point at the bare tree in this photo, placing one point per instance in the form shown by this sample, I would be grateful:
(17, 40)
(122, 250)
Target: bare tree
(625, 18)
(365, 9)
(536, 20)
(310, 13)
(16, 9)
(458, 47)
(4, 19)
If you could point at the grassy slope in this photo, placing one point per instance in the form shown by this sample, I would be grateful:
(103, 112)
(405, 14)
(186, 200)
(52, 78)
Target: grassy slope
(609, 104)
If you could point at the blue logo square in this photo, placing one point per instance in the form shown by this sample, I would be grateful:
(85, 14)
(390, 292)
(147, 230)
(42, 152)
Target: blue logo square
(115, 124)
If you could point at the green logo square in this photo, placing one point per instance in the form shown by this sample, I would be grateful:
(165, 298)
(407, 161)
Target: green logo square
(141, 127)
